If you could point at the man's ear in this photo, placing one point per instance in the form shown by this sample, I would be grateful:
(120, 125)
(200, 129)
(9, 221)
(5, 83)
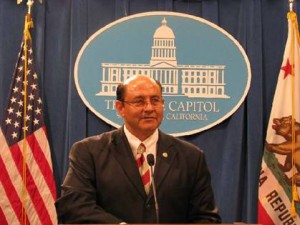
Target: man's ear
(120, 107)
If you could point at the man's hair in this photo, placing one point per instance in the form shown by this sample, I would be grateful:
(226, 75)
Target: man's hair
(121, 89)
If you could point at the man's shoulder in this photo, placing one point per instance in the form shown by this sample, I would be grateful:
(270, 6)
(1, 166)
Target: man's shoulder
(96, 144)
(103, 138)
(178, 143)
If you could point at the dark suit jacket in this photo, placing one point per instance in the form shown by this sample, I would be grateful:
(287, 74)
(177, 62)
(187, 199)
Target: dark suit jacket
(103, 184)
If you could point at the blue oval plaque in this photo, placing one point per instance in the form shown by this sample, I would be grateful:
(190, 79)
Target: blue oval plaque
(204, 71)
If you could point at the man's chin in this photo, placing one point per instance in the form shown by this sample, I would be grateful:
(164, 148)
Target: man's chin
(149, 126)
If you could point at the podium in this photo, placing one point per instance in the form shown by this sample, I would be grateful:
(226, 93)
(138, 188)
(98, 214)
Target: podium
(236, 223)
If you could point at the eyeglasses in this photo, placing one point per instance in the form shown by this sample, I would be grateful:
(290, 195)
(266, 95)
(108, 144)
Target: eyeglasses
(156, 102)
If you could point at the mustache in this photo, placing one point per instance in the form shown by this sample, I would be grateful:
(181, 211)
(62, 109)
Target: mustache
(148, 115)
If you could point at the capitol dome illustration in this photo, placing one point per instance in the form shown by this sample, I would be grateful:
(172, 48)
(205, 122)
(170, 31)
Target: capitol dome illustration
(164, 31)
(192, 81)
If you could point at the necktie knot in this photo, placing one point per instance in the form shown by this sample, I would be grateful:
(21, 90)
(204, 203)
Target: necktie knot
(141, 149)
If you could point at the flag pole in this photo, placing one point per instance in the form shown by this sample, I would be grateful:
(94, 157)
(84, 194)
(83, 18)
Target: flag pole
(294, 197)
(27, 37)
(28, 181)
(29, 5)
(291, 3)
(284, 113)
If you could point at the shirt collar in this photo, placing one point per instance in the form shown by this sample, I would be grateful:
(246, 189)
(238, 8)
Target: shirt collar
(134, 142)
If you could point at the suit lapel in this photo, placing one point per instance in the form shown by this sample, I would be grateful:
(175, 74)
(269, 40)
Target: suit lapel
(164, 159)
(123, 154)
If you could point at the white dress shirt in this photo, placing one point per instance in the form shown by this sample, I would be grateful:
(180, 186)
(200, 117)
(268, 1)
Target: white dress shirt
(150, 143)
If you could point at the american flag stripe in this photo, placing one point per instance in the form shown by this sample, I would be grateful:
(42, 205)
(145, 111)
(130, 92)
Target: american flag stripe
(35, 187)
(12, 208)
(38, 142)
(9, 180)
(30, 149)
(15, 196)
(35, 182)
(2, 216)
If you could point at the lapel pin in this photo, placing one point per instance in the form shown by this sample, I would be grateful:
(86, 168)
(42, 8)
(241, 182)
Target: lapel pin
(165, 154)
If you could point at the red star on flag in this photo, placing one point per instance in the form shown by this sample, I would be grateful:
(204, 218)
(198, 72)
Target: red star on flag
(288, 69)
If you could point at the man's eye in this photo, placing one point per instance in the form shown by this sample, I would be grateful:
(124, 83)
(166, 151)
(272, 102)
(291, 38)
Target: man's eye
(139, 102)
(155, 101)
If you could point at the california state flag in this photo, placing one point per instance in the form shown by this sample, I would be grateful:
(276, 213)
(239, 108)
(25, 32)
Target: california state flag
(279, 183)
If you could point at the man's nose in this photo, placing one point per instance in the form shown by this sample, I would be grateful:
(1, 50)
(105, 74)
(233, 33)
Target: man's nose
(148, 105)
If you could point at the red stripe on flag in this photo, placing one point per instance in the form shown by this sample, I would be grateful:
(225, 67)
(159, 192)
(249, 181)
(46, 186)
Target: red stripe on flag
(3, 218)
(42, 162)
(263, 216)
(39, 183)
(45, 130)
(32, 189)
(11, 192)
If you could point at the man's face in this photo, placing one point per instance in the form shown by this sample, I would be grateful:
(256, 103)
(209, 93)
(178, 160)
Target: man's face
(142, 108)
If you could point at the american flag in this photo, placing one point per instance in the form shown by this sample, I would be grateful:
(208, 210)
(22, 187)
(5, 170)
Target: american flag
(27, 186)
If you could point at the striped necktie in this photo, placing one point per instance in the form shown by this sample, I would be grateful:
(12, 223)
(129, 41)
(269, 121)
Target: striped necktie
(143, 167)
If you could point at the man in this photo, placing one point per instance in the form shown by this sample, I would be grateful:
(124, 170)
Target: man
(104, 184)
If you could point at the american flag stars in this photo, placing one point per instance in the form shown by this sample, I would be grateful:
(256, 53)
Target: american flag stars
(26, 179)
(20, 117)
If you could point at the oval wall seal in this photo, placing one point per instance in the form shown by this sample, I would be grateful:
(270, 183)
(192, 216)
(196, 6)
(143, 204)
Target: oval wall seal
(204, 71)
